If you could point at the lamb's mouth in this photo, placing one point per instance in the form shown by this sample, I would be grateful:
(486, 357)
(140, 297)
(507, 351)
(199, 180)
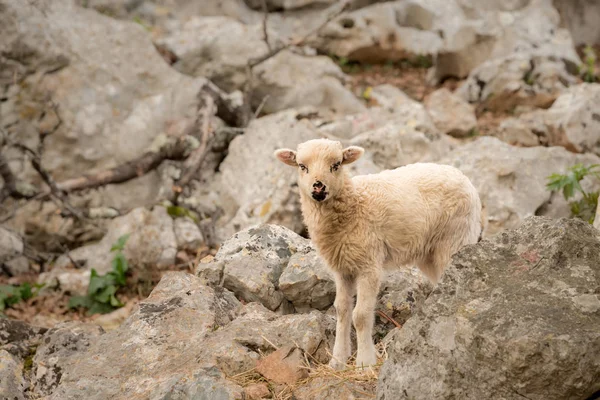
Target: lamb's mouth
(319, 196)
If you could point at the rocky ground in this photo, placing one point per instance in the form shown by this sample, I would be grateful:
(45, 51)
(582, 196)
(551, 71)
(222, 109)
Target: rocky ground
(137, 168)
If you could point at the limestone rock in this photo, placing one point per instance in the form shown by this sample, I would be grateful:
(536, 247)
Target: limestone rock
(502, 84)
(491, 328)
(251, 262)
(511, 180)
(450, 113)
(188, 234)
(155, 352)
(12, 382)
(306, 282)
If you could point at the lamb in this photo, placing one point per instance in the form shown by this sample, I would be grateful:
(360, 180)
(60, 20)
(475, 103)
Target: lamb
(417, 214)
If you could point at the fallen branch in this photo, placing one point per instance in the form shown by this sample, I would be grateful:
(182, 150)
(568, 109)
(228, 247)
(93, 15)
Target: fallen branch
(174, 149)
(204, 123)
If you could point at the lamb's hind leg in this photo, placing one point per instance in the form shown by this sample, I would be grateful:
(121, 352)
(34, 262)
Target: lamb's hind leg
(344, 292)
(367, 288)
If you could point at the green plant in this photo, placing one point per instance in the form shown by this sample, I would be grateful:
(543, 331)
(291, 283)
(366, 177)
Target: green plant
(11, 295)
(569, 184)
(589, 67)
(179, 212)
(101, 295)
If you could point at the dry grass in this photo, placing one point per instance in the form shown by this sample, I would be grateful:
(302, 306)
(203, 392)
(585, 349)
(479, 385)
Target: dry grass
(323, 377)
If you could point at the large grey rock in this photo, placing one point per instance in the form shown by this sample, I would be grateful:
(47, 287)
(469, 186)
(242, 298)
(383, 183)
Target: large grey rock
(513, 317)
(450, 113)
(531, 29)
(306, 282)
(251, 262)
(12, 331)
(151, 244)
(582, 18)
(12, 382)
(572, 122)
(511, 180)
(124, 96)
(388, 31)
(397, 144)
(219, 48)
(502, 84)
(11, 245)
(188, 234)
(59, 347)
(154, 354)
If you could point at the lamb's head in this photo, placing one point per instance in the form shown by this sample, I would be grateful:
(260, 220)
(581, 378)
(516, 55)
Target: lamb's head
(319, 164)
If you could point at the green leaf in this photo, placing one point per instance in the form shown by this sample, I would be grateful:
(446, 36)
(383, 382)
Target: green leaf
(105, 294)
(80, 301)
(115, 302)
(120, 267)
(25, 291)
(97, 282)
(179, 212)
(120, 244)
(99, 308)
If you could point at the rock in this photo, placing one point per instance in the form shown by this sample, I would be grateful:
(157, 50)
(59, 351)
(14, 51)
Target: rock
(571, 122)
(511, 180)
(60, 346)
(327, 388)
(530, 29)
(396, 144)
(491, 327)
(597, 219)
(285, 365)
(219, 48)
(450, 113)
(292, 80)
(236, 347)
(125, 95)
(162, 341)
(502, 84)
(188, 234)
(402, 293)
(12, 382)
(251, 262)
(151, 244)
(12, 331)
(386, 31)
(257, 391)
(306, 282)
(11, 245)
(255, 187)
(526, 131)
(582, 18)
(213, 47)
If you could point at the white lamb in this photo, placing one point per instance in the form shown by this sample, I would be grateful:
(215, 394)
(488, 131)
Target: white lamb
(418, 214)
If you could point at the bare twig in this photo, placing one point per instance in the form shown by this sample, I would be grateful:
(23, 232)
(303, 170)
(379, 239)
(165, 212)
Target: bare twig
(390, 319)
(260, 106)
(259, 60)
(264, 24)
(204, 122)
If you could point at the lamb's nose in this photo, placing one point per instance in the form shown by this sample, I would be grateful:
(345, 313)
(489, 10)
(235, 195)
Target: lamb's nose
(318, 185)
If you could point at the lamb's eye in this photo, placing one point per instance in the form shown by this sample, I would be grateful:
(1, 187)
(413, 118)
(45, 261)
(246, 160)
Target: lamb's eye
(303, 167)
(335, 166)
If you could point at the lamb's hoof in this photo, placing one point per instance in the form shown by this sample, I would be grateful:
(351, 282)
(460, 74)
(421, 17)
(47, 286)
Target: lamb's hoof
(337, 365)
(366, 361)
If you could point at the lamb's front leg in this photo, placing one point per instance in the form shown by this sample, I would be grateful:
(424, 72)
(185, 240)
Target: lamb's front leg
(367, 287)
(344, 292)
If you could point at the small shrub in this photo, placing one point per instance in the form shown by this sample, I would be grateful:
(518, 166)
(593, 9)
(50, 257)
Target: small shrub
(11, 295)
(569, 184)
(589, 67)
(101, 295)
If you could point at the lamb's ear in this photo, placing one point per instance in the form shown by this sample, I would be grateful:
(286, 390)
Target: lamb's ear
(287, 156)
(352, 154)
